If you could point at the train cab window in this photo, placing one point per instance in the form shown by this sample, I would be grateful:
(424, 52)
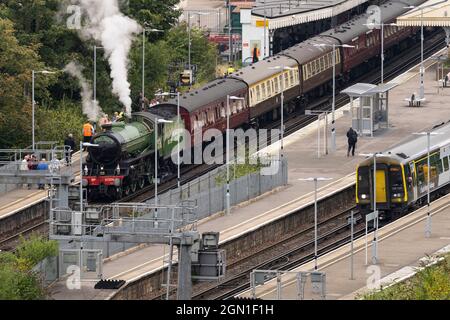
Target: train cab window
(396, 180)
(445, 162)
(364, 182)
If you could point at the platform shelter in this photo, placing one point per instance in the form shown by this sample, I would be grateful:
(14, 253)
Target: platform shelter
(369, 105)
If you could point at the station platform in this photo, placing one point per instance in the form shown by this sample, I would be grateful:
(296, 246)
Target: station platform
(22, 197)
(301, 151)
(402, 249)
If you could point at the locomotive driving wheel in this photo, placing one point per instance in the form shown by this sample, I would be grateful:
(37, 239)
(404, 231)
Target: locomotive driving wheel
(141, 182)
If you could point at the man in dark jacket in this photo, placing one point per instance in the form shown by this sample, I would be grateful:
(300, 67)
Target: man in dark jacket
(69, 148)
(352, 137)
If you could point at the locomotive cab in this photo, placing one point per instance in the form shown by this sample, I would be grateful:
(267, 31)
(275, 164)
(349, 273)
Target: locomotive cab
(391, 187)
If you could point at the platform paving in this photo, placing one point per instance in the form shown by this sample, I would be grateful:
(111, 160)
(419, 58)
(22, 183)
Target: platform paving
(22, 197)
(402, 248)
(301, 151)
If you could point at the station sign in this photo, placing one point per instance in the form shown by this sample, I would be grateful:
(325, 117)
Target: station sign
(260, 23)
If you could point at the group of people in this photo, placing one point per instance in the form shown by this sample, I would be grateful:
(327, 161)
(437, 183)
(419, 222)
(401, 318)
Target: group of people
(30, 162)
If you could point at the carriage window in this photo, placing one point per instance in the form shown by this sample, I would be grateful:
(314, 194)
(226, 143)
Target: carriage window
(258, 93)
(276, 85)
(263, 90)
(445, 161)
(222, 112)
(436, 165)
(233, 108)
(291, 76)
(286, 80)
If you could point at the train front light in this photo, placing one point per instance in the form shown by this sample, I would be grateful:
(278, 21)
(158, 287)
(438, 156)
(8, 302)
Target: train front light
(84, 182)
(364, 196)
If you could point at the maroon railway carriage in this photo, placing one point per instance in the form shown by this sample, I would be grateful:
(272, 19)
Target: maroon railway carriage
(206, 108)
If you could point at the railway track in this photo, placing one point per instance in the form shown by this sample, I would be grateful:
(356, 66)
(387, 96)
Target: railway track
(286, 254)
(11, 242)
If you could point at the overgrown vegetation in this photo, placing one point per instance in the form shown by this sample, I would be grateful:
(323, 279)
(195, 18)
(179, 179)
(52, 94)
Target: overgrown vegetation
(17, 280)
(430, 283)
(34, 36)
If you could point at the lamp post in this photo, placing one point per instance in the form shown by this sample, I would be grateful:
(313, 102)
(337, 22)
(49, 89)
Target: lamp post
(33, 75)
(83, 144)
(95, 71)
(234, 98)
(315, 179)
(375, 234)
(144, 29)
(284, 68)
(422, 69)
(157, 121)
(428, 134)
(333, 104)
(178, 127)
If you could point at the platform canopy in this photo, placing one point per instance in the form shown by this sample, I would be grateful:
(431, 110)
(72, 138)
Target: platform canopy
(433, 16)
(284, 13)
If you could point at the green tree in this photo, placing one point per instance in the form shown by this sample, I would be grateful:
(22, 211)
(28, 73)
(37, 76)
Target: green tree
(16, 63)
(17, 280)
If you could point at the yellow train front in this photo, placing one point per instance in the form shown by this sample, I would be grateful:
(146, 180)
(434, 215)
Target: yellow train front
(402, 175)
(392, 192)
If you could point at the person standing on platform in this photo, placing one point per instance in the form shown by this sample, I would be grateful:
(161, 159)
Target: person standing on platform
(88, 132)
(69, 148)
(43, 165)
(24, 165)
(352, 137)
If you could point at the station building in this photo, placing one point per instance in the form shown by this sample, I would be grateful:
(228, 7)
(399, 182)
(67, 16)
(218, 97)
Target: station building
(274, 25)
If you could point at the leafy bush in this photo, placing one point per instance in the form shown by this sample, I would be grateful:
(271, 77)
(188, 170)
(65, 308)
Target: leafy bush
(17, 280)
(430, 283)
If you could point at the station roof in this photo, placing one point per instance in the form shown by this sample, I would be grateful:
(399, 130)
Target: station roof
(359, 89)
(367, 89)
(283, 13)
(436, 16)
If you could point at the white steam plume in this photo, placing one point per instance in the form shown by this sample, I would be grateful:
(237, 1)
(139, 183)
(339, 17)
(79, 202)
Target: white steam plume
(90, 108)
(115, 31)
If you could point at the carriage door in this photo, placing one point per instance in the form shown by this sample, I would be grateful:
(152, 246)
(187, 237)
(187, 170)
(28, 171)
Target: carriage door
(381, 186)
(412, 167)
